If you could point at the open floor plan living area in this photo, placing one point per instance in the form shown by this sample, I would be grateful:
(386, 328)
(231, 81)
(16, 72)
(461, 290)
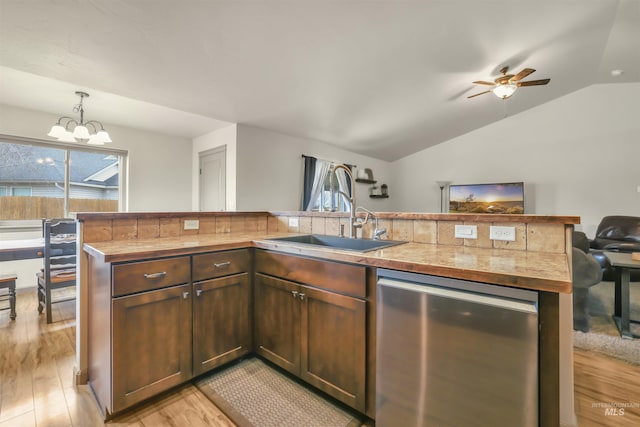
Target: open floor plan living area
(268, 213)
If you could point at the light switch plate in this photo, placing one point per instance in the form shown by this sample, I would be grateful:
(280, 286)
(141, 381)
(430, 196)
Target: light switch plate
(502, 233)
(191, 224)
(466, 231)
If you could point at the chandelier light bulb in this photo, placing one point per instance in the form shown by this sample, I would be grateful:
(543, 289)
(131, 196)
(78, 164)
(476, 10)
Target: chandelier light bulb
(104, 136)
(67, 136)
(56, 131)
(95, 140)
(81, 132)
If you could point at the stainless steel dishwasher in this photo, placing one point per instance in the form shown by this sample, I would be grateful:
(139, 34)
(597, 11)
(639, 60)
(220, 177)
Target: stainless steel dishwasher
(455, 353)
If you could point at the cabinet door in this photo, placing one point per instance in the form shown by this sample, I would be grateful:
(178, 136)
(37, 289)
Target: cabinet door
(221, 319)
(151, 343)
(333, 345)
(277, 321)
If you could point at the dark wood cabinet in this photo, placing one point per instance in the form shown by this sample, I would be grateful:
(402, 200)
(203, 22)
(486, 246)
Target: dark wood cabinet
(140, 328)
(333, 345)
(152, 328)
(221, 321)
(157, 323)
(277, 325)
(222, 308)
(314, 333)
(151, 343)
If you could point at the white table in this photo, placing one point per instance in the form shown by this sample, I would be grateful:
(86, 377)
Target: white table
(12, 250)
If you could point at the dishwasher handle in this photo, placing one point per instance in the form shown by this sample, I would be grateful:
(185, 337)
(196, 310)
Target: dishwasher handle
(478, 298)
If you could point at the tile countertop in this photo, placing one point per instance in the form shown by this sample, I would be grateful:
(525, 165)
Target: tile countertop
(530, 270)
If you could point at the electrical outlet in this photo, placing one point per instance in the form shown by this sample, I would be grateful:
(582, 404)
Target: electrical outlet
(191, 224)
(466, 231)
(502, 233)
(293, 222)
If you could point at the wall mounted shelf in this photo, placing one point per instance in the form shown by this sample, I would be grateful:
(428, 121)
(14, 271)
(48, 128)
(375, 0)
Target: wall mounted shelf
(365, 181)
(379, 196)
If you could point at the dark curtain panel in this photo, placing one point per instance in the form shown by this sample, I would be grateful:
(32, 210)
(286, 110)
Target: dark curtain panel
(309, 174)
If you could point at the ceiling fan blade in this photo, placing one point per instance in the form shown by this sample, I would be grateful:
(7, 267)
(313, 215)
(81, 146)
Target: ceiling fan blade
(481, 93)
(503, 79)
(480, 82)
(522, 74)
(534, 82)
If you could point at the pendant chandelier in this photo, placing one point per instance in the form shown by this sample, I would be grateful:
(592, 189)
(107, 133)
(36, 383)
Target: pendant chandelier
(68, 129)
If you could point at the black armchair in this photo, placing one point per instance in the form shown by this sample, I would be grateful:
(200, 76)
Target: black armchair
(618, 234)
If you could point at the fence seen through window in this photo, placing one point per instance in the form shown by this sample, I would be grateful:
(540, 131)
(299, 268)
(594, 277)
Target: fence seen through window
(48, 181)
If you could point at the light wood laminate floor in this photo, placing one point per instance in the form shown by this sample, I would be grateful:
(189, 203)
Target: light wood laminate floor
(36, 362)
(36, 389)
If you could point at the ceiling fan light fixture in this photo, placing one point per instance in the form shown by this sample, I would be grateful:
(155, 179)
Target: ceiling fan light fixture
(504, 91)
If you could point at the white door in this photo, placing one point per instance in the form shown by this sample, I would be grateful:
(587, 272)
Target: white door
(213, 179)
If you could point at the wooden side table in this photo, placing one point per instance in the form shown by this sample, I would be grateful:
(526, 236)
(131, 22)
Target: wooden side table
(8, 281)
(623, 264)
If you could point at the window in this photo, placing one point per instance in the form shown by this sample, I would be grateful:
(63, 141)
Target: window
(21, 191)
(49, 180)
(321, 183)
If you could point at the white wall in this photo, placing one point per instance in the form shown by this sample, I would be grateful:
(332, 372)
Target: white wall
(270, 168)
(159, 165)
(218, 138)
(578, 155)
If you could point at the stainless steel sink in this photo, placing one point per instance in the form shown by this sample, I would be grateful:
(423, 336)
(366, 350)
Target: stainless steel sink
(358, 245)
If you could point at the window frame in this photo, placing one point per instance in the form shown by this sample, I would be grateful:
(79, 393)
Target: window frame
(68, 147)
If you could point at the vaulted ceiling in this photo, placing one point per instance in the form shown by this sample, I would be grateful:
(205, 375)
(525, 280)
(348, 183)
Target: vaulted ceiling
(383, 78)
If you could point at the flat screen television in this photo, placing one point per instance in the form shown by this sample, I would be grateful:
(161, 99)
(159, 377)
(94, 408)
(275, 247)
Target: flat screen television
(500, 198)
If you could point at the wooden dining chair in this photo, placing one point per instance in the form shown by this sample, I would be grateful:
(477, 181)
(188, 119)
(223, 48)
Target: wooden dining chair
(59, 269)
(8, 281)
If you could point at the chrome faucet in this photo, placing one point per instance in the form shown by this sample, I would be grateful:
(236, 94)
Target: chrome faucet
(353, 226)
(377, 232)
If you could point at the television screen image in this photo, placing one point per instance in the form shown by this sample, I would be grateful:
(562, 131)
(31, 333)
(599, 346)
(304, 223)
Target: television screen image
(501, 198)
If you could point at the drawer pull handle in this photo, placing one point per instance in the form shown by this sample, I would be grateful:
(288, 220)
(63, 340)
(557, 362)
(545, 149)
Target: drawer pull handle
(155, 275)
(185, 295)
(301, 295)
(222, 264)
(198, 292)
(294, 293)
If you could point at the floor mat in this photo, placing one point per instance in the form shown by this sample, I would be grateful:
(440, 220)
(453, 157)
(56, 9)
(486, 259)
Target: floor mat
(254, 394)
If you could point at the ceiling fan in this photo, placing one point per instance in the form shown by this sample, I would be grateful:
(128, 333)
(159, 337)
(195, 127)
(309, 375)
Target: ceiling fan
(505, 85)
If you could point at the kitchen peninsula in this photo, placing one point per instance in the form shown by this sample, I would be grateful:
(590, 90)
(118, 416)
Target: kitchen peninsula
(538, 259)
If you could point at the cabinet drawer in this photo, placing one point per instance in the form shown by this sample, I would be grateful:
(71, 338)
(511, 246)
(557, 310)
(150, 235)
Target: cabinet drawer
(342, 278)
(218, 264)
(147, 275)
